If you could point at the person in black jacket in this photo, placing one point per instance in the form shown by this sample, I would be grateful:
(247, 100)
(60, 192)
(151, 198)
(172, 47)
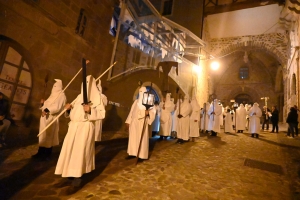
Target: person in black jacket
(265, 118)
(274, 119)
(292, 120)
(298, 112)
(4, 122)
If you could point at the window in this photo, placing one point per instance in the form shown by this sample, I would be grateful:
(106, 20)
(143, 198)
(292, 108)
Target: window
(244, 73)
(293, 88)
(81, 23)
(15, 79)
(167, 7)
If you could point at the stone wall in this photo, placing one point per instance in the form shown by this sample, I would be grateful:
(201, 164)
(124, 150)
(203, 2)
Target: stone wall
(275, 43)
(44, 31)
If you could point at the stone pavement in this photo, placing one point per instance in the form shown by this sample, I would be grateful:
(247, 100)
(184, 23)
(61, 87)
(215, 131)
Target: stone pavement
(230, 166)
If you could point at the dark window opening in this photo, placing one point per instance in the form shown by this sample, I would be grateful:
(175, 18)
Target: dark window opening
(167, 7)
(81, 23)
(244, 73)
(294, 85)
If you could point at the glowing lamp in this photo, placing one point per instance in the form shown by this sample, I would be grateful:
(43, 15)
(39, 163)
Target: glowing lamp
(148, 100)
(215, 65)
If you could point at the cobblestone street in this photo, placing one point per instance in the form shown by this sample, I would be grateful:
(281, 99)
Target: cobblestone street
(229, 166)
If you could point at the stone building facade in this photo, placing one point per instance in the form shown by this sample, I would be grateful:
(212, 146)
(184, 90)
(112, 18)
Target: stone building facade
(289, 18)
(44, 40)
(263, 57)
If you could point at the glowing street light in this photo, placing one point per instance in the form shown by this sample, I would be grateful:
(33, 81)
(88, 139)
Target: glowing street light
(197, 69)
(215, 65)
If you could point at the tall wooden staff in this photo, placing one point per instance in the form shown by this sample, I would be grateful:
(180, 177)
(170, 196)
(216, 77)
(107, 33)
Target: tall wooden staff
(213, 110)
(144, 127)
(62, 112)
(142, 135)
(204, 115)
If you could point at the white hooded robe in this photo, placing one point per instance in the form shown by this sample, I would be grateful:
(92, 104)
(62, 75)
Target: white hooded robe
(183, 123)
(98, 123)
(254, 116)
(166, 109)
(156, 123)
(228, 123)
(194, 118)
(205, 116)
(77, 155)
(214, 119)
(241, 114)
(136, 119)
(55, 104)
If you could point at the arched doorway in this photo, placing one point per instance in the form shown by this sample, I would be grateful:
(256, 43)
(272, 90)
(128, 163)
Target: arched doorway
(15, 77)
(244, 99)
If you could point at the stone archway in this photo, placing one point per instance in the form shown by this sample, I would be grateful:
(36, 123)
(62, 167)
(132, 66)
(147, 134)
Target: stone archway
(246, 94)
(273, 43)
(244, 99)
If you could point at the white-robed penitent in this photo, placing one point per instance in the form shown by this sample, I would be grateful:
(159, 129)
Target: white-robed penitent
(136, 119)
(166, 109)
(247, 116)
(221, 116)
(77, 155)
(205, 117)
(194, 118)
(254, 116)
(183, 123)
(241, 118)
(214, 119)
(228, 124)
(175, 118)
(98, 123)
(55, 104)
(156, 123)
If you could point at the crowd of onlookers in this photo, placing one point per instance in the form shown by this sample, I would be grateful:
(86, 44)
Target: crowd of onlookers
(212, 116)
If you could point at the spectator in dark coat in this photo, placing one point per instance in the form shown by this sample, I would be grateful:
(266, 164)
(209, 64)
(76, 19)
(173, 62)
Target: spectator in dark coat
(4, 122)
(292, 120)
(274, 119)
(298, 112)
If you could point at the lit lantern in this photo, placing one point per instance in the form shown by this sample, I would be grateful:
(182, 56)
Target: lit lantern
(148, 100)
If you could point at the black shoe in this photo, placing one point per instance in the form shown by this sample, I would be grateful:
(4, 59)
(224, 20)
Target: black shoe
(63, 183)
(40, 154)
(160, 138)
(252, 135)
(256, 135)
(178, 141)
(72, 189)
(130, 157)
(213, 133)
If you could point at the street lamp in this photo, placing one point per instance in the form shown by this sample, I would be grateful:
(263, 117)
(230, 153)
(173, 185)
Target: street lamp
(215, 65)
